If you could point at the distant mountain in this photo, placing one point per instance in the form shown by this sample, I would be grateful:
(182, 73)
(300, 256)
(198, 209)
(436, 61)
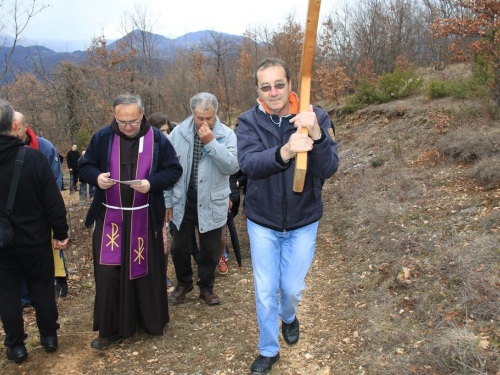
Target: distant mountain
(25, 59)
(6, 39)
(57, 45)
(166, 46)
(25, 56)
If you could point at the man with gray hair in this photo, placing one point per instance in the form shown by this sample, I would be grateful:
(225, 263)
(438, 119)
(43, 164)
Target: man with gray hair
(206, 149)
(130, 163)
(38, 209)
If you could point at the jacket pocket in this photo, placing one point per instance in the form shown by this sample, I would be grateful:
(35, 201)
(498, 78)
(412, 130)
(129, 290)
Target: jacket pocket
(220, 203)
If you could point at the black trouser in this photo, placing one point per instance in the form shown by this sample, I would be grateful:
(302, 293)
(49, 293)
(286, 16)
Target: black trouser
(73, 178)
(182, 247)
(36, 266)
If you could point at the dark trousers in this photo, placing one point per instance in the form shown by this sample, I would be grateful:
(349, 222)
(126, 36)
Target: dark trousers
(73, 178)
(181, 250)
(36, 266)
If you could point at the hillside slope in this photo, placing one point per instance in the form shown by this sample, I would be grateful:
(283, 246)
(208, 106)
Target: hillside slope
(414, 212)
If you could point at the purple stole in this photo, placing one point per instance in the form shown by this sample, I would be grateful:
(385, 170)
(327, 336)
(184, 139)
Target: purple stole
(112, 231)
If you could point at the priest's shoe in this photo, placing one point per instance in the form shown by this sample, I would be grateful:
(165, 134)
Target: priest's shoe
(262, 365)
(290, 332)
(179, 293)
(49, 342)
(104, 342)
(17, 353)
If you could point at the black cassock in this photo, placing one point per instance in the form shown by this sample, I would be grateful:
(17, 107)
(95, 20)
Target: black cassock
(121, 304)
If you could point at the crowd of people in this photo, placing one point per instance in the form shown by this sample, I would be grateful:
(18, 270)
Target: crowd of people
(148, 175)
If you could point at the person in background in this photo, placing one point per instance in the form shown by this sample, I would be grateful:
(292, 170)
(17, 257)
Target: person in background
(61, 160)
(166, 127)
(161, 122)
(207, 152)
(282, 224)
(72, 158)
(38, 211)
(30, 139)
(129, 262)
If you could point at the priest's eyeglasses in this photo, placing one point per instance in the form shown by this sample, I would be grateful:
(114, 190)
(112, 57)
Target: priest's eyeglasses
(277, 86)
(131, 123)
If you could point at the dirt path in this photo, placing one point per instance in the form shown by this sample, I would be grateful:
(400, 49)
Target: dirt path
(201, 339)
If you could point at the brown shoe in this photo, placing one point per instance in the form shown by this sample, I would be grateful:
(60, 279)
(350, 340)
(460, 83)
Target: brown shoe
(210, 297)
(179, 294)
(104, 342)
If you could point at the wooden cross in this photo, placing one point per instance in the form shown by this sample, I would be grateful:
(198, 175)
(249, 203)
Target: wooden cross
(305, 86)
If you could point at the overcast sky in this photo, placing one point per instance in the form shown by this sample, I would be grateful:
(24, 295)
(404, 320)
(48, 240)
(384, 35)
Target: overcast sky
(83, 19)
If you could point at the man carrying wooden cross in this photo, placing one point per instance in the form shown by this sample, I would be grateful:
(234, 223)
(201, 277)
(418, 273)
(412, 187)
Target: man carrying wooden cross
(282, 224)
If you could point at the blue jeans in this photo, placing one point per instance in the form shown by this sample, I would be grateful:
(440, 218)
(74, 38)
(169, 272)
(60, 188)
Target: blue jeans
(83, 190)
(280, 263)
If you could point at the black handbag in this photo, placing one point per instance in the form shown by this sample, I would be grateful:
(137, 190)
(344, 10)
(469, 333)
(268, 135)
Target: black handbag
(6, 231)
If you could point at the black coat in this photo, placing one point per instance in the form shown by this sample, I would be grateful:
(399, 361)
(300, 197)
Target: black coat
(72, 159)
(38, 206)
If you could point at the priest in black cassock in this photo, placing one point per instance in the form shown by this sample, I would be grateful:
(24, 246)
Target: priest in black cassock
(130, 163)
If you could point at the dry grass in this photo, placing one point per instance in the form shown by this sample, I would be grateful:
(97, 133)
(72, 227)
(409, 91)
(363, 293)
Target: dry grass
(466, 144)
(421, 233)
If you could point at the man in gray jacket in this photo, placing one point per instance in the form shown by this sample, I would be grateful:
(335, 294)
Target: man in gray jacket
(206, 149)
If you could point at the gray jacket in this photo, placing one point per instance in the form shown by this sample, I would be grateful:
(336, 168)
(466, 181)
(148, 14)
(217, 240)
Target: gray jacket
(219, 160)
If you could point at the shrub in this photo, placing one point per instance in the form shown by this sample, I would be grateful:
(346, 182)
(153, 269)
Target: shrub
(475, 86)
(493, 111)
(436, 89)
(83, 138)
(399, 84)
(377, 163)
(468, 144)
(390, 86)
(486, 172)
(456, 351)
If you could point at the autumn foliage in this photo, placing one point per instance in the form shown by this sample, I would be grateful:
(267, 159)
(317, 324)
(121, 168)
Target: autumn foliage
(476, 28)
(360, 45)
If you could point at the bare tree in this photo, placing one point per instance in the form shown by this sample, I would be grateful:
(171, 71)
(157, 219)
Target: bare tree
(221, 53)
(437, 50)
(140, 27)
(14, 19)
(382, 30)
(335, 40)
(479, 20)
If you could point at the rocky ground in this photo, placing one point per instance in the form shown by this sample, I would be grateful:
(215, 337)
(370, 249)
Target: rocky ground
(199, 339)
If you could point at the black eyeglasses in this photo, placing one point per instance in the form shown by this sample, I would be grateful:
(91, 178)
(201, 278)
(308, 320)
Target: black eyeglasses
(278, 86)
(131, 123)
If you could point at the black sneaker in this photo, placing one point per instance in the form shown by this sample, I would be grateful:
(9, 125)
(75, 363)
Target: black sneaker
(291, 332)
(262, 365)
